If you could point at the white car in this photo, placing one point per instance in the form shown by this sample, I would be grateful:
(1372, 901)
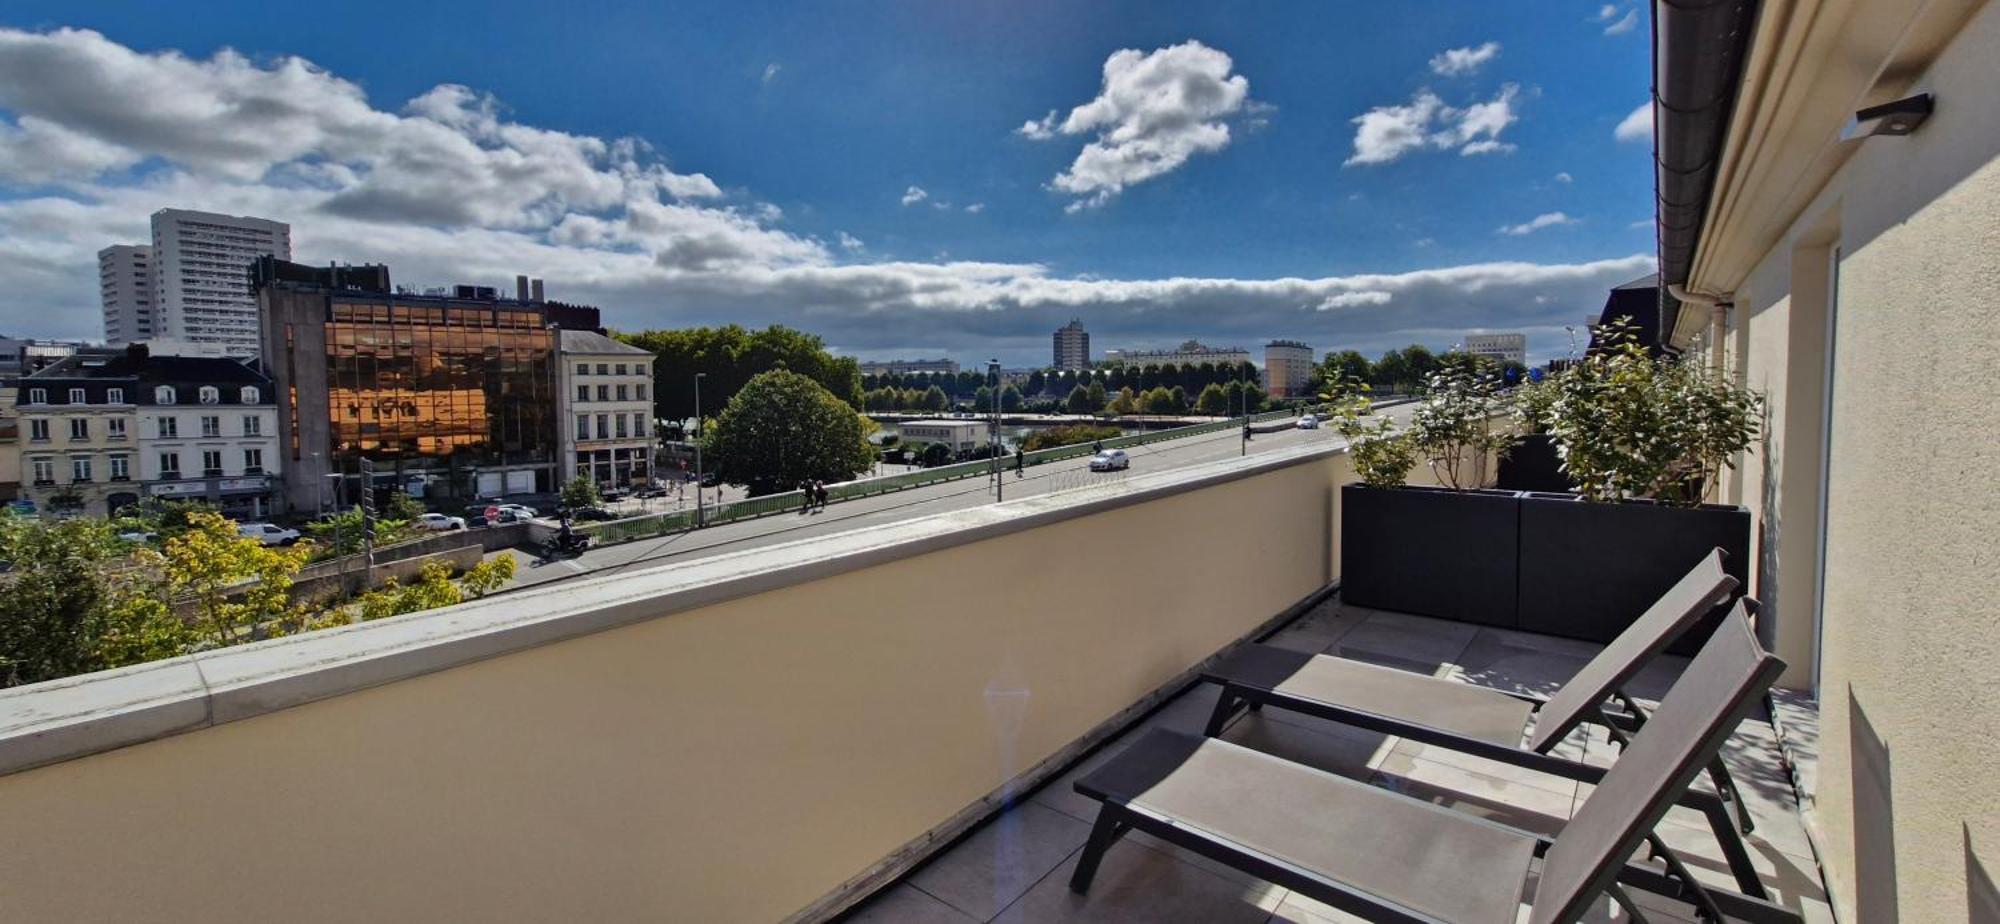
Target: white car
(520, 510)
(1308, 422)
(1110, 460)
(440, 522)
(267, 533)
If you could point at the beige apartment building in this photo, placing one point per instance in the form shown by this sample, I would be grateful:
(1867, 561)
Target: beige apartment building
(78, 437)
(607, 410)
(1846, 264)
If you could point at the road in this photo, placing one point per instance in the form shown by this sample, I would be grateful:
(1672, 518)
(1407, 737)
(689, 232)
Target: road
(903, 505)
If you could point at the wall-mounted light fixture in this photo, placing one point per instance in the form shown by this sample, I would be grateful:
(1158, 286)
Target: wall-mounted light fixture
(1897, 117)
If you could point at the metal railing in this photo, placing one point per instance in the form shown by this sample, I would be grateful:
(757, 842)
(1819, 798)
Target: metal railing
(647, 526)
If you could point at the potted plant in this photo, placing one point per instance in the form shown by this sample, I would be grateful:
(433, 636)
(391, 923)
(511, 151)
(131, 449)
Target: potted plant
(1644, 439)
(1448, 551)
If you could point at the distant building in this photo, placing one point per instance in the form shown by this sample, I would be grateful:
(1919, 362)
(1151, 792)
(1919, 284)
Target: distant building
(1191, 352)
(960, 435)
(201, 292)
(27, 356)
(908, 366)
(454, 394)
(126, 283)
(607, 396)
(1499, 347)
(1288, 368)
(105, 428)
(1072, 344)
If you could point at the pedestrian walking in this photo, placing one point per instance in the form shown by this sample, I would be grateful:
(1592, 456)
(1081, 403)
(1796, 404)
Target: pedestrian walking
(819, 494)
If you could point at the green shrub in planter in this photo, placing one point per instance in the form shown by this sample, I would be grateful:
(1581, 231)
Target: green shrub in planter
(1452, 427)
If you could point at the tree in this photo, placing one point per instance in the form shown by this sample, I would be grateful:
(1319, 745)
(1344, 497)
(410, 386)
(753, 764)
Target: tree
(782, 428)
(487, 576)
(1213, 401)
(1037, 381)
(402, 507)
(1452, 428)
(1079, 400)
(729, 356)
(580, 492)
(234, 584)
(1010, 399)
(1343, 373)
(934, 399)
(1124, 403)
(51, 613)
(1421, 362)
(1392, 372)
(1097, 396)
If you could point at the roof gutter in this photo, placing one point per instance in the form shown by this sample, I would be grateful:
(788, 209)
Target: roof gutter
(1698, 51)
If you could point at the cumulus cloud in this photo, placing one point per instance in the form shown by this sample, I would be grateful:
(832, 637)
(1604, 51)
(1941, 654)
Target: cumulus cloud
(1564, 177)
(771, 71)
(914, 195)
(1537, 223)
(1638, 126)
(976, 207)
(1386, 133)
(1454, 62)
(1154, 111)
(601, 219)
(1624, 24)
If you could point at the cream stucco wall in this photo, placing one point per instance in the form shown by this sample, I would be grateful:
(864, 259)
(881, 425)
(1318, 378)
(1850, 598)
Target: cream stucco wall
(1906, 803)
(734, 762)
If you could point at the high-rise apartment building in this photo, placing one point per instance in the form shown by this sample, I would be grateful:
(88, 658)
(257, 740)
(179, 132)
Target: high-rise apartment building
(1072, 346)
(1498, 347)
(201, 275)
(1189, 353)
(126, 282)
(1288, 368)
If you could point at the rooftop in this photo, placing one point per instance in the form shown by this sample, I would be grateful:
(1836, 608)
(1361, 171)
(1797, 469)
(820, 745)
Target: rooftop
(592, 343)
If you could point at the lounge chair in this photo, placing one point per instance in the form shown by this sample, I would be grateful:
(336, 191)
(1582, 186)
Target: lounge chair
(1390, 857)
(1490, 723)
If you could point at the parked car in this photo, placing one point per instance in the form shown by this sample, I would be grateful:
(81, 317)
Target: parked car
(267, 533)
(1110, 460)
(440, 522)
(592, 514)
(1309, 422)
(520, 511)
(650, 491)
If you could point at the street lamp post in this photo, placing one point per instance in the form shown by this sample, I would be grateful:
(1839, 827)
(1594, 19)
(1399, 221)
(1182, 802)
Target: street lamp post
(1244, 445)
(993, 440)
(699, 449)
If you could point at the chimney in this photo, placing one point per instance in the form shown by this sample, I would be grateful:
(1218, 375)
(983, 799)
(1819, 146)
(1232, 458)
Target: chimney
(536, 287)
(138, 352)
(521, 288)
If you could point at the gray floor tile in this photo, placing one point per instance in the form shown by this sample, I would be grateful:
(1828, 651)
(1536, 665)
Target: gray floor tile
(1501, 660)
(905, 904)
(1411, 643)
(1349, 755)
(993, 867)
(1137, 883)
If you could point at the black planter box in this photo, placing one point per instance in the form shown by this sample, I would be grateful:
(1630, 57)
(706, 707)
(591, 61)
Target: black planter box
(1431, 551)
(1587, 570)
(1533, 465)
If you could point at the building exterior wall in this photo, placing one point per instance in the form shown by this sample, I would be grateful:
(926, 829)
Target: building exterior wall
(126, 282)
(10, 444)
(201, 264)
(244, 438)
(102, 447)
(725, 761)
(1899, 256)
(1288, 368)
(1072, 346)
(1189, 354)
(615, 408)
(1501, 347)
(960, 435)
(928, 366)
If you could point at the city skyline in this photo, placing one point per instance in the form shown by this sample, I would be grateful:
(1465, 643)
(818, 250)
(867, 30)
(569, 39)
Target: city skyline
(978, 190)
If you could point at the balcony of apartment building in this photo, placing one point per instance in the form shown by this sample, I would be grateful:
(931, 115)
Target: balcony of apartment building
(885, 724)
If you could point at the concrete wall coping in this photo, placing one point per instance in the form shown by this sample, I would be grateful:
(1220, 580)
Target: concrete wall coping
(60, 720)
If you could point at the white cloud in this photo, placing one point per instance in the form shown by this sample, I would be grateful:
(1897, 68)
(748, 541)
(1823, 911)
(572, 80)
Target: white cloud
(1638, 126)
(600, 220)
(1154, 111)
(914, 195)
(771, 72)
(1624, 25)
(1455, 62)
(976, 207)
(1365, 297)
(1537, 223)
(1386, 133)
(1564, 177)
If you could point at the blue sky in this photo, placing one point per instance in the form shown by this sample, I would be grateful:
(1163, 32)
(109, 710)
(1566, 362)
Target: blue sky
(776, 152)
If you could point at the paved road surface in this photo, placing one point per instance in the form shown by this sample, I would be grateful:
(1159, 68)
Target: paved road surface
(903, 505)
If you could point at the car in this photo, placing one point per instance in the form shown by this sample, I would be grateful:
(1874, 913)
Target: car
(650, 491)
(521, 511)
(592, 514)
(267, 533)
(1308, 422)
(439, 522)
(1110, 460)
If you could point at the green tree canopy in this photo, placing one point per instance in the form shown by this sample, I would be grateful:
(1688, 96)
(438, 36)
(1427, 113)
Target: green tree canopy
(730, 356)
(1213, 401)
(782, 428)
